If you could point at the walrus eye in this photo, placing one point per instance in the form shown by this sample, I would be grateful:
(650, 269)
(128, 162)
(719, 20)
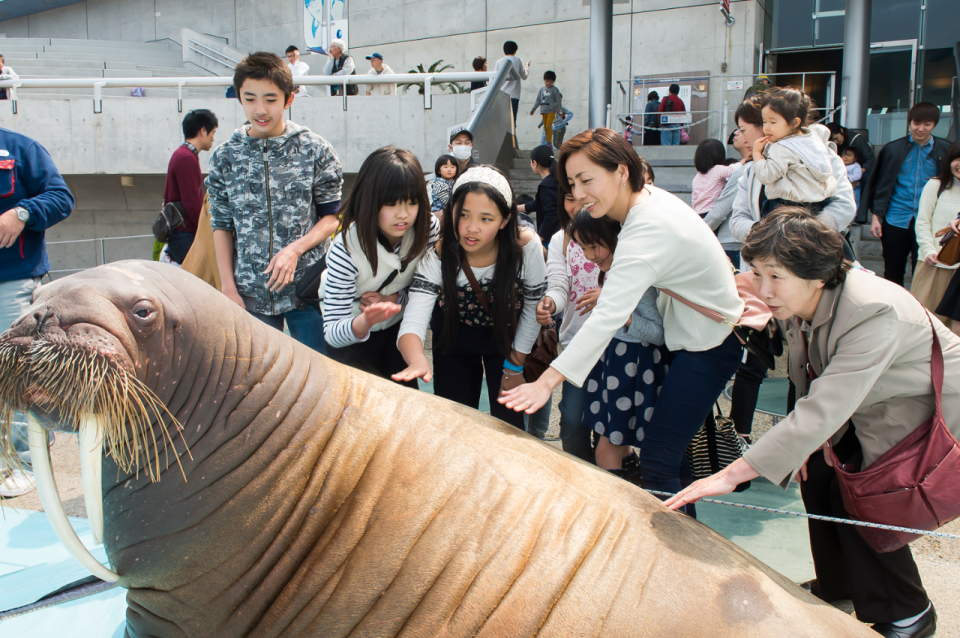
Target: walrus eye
(144, 312)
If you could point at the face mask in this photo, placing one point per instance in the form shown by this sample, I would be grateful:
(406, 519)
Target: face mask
(462, 152)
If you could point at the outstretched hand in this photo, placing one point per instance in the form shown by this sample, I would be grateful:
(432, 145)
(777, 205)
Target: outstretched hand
(723, 482)
(418, 370)
(528, 397)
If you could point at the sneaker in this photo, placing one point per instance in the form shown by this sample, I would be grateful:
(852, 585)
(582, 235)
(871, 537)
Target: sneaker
(16, 483)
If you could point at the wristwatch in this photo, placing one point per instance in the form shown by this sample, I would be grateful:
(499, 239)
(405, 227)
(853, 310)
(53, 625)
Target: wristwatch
(22, 214)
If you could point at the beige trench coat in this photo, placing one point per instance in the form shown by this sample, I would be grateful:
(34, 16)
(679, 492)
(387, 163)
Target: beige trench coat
(870, 345)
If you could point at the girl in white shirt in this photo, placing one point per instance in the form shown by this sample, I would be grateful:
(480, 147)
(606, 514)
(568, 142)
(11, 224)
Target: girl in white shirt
(489, 331)
(663, 244)
(386, 229)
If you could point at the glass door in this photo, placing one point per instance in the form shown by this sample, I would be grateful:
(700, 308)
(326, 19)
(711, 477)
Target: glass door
(893, 75)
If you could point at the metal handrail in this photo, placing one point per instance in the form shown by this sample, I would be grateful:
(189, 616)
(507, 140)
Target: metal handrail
(100, 259)
(497, 79)
(97, 84)
(212, 50)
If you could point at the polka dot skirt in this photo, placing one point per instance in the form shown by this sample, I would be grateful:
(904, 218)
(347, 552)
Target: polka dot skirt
(622, 390)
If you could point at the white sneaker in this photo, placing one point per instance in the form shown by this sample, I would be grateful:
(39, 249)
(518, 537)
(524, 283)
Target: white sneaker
(17, 483)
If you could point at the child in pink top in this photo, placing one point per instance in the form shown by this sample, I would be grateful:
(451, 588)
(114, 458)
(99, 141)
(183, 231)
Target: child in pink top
(712, 173)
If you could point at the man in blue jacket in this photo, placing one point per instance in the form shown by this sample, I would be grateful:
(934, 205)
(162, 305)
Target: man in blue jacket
(34, 198)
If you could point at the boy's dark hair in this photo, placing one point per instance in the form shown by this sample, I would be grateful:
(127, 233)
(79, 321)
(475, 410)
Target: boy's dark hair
(291, 49)
(502, 291)
(799, 242)
(647, 170)
(924, 112)
(550, 75)
(675, 89)
(946, 173)
(388, 175)
(788, 103)
(605, 147)
(849, 149)
(731, 137)
(196, 120)
(510, 47)
(523, 198)
(478, 63)
(446, 159)
(710, 152)
(653, 95)
(266, 66)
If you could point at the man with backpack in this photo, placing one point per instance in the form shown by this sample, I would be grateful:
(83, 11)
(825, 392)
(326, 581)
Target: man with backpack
(340, 63)
(670, 133)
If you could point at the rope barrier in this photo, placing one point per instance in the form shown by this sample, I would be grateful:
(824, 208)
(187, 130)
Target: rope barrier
(817, 517)
(637, 127)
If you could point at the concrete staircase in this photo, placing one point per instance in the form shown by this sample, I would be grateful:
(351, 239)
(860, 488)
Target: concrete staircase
(61, 58)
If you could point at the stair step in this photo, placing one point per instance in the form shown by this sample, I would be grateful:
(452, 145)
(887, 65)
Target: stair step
(34, 63)
(122, 45)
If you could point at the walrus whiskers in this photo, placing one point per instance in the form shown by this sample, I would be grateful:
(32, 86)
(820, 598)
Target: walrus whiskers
(84, 381)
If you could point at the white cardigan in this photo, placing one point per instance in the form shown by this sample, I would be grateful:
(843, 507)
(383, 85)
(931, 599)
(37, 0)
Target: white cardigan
(663, 244)
(935, 213)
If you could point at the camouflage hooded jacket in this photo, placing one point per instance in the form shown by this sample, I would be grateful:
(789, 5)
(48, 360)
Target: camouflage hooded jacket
(268, 192)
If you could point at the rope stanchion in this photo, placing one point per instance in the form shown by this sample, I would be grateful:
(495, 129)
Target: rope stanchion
(817, 517)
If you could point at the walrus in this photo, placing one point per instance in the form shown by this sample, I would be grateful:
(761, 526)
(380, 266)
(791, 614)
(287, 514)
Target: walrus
(251, 487)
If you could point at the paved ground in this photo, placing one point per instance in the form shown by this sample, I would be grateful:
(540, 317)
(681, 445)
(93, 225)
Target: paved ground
(779, 541)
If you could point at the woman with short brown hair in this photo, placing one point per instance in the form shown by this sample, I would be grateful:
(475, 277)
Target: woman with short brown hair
(860, 351)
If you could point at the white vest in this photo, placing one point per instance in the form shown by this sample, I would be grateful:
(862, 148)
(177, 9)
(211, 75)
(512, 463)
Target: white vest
(367, 281)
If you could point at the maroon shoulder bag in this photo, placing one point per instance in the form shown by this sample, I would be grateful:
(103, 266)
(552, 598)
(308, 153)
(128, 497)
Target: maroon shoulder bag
(915, 484)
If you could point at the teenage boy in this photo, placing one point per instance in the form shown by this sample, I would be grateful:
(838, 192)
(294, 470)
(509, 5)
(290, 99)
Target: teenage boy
(512, 86)
(274, 191)
(184, 181)
(461, 147)
(550, 101)
(896, 181)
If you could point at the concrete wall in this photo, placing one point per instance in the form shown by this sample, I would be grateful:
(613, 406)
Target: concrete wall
(649, 36)
(136, 137)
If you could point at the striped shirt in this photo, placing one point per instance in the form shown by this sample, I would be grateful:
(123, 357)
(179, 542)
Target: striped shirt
(341, 291)
(708, 186)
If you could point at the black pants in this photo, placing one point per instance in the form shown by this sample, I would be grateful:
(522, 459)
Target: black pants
(899, 244)
(179, 245)
(378, 355)
(458, 372)
(746, 390)
(884, 587)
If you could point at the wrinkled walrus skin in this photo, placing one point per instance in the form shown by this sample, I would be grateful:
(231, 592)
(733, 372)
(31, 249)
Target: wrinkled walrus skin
(321, 501)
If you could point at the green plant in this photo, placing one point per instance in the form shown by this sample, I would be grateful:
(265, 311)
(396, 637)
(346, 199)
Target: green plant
(451, 87)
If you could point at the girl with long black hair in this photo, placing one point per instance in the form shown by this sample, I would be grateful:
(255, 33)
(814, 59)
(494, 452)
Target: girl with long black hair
(478, 291)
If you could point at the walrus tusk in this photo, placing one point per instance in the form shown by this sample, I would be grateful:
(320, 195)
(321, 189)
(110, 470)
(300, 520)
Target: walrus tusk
(47, 489)
(91, 457)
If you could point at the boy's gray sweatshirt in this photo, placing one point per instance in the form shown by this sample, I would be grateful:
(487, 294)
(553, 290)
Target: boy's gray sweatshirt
(549, 99)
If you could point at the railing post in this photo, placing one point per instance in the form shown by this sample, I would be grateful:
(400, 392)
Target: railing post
(13, 95)
(609, 109)
(98, 97)
(723, 123)
(180, 96)
(843, 111)
(427, 92)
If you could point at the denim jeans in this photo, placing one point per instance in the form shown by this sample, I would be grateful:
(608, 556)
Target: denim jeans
(538, 423)
(670, 137)
(306, 326)
(15, 299)
(692, 385)
(574, 435)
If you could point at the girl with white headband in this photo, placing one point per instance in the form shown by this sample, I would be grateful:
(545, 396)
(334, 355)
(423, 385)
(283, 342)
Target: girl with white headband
(478, 290)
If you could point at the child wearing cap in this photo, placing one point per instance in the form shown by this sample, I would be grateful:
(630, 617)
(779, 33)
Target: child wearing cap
(379, 68)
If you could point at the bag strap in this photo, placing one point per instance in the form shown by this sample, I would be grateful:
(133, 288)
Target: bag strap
(481, 296)
(706, 312)
(388, 280)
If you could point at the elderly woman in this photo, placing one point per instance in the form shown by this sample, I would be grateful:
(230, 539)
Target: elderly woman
(664, 244)
(860, 356)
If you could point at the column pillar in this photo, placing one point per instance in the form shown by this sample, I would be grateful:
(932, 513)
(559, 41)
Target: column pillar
(601, 60)
(856, 61)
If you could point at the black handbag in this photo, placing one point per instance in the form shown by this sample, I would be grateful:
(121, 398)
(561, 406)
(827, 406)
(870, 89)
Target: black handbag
(716, 446)
(308, 288)
(170, 218)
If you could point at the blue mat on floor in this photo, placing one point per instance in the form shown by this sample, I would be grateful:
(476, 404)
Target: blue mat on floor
(484, 397)
(33, 563)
